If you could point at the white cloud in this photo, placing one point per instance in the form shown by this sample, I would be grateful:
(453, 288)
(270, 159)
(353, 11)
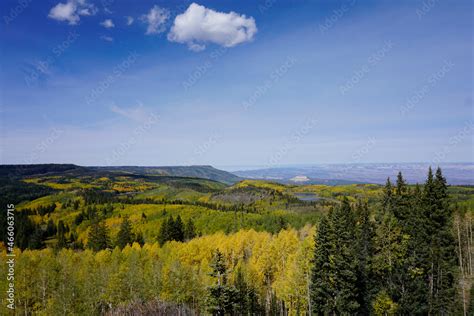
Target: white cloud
(136, 113)
(86, 11)
(156, 20)
(196, 47)
(199, 25)
(107, 38)
(130, 20)
(71, 11)
(108, 23)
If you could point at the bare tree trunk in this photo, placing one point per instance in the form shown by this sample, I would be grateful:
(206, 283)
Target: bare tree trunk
(469, 243)
(461, 265)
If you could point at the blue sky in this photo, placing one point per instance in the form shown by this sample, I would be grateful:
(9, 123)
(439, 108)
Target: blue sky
(274, 83)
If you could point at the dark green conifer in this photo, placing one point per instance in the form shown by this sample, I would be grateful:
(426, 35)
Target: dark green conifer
(61, 237)
(190, 230)
(98, 238)
(125, 235)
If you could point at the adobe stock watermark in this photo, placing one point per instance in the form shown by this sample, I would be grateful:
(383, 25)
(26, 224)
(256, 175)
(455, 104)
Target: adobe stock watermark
(127, 144)
(34, 155)
(335, 16)
(274, 77)
(203, 148)
(372, 61)
(266, 5)
(421, 93)
(425, 8)
(356, 156)
(116, 73)
(42, 146)
(43, 66)
(291, 142)
(455, 140)
(10, 214)
(16, 11)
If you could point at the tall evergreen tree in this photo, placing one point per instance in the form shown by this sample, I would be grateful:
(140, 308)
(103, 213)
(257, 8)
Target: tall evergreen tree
(139, 238)
(190, 230)
(37, 239)
(387, 194)
(345, 260)
(178, 229)
(61, 235)
(165, 232)
(171, 229)
(365, 235)
(51, 229)
(242, 288)
(98, 238)
(441, 276)
(335, 270)
(401, 185)
(222, 298)
(321, 288)
(125, 235)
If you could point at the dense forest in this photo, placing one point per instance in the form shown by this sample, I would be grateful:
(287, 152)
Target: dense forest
(121, 244)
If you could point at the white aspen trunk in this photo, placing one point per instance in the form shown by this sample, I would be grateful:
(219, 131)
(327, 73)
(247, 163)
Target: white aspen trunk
(461, 266)
(469, 243)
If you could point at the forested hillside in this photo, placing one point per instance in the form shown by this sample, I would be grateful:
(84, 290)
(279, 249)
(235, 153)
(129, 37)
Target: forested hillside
(122, 242)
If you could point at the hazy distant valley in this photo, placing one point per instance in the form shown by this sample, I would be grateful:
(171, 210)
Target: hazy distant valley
(335, 174)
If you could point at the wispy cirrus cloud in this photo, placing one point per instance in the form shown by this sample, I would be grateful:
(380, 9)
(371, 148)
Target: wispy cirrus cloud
(155, 20)
(107, 38)
(199, 25)
(72, 10)
(130, 20)
(137, 113)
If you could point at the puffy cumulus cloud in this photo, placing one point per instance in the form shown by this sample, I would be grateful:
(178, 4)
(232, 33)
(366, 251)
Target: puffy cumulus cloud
(155, 19)
(199, 25)
(108, 23)
(71, 11)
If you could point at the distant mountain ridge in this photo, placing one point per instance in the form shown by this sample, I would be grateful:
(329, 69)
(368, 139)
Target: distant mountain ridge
(197, 171)
(203, 171)
(336, 174)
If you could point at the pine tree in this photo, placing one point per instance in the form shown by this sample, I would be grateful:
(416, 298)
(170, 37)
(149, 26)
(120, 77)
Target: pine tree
(125, 235)
(171, 229)
(442, 247)
(412, 290)
(51, 229)
(401, 185)
(335, 269)
(365, 235)
(321, 288)
(37, 241)
(190, 230)
(242, 288)
(387, 196)
(98, 237)
(139, 238)
(61, 238)
(345, 260)
(222, 298)
(178, 229)
(400, 204)
(164, 234)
